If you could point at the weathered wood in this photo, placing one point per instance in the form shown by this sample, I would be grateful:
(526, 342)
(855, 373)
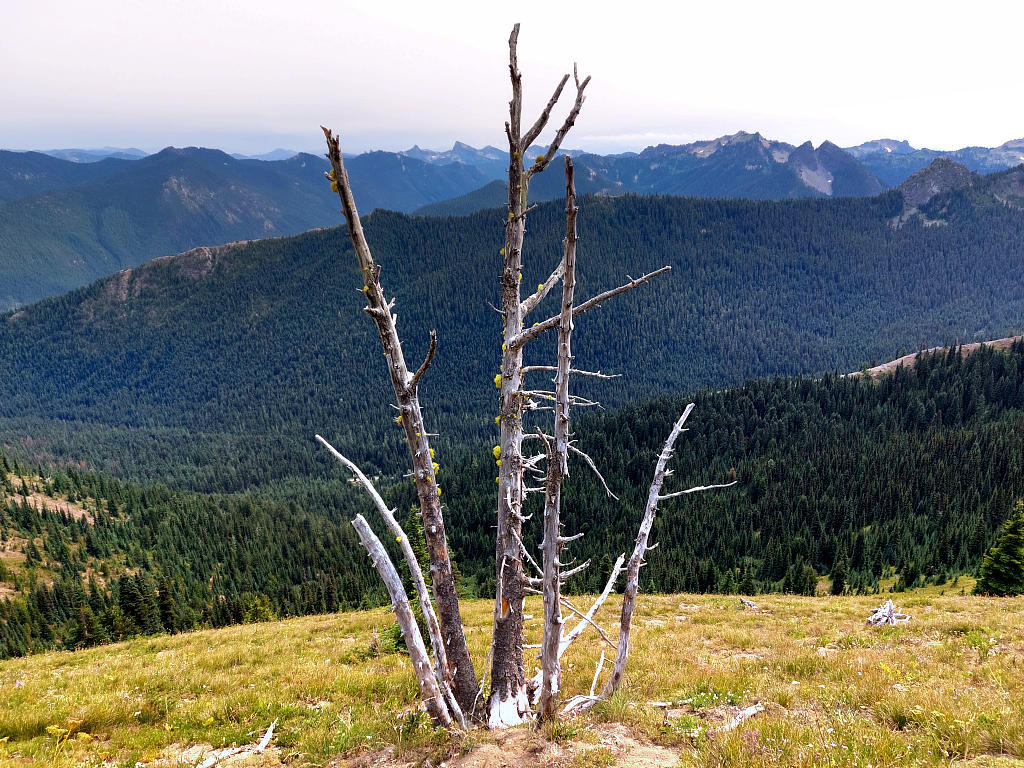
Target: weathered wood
(509, 703)
(558, 449)
(220, 755)
(509, 700)
(636, 560)
(534, 331)
(441, 668)
(406, 388)
(587, 620)
(661, 471)
(741, 717)
(887, 613)
(433, 699)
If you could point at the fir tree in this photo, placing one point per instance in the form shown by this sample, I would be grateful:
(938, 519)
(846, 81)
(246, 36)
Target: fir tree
(1002, 572)
(839, 574)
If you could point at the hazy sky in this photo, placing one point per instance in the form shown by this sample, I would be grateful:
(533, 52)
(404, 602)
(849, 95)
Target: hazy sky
(254, 75)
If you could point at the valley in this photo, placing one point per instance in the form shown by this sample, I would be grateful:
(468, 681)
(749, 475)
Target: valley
(609, 437)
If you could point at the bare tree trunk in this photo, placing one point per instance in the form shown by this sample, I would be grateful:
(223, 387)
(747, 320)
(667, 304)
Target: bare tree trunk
(636, 560)
(558, 469)
(406, 387)
(509, 702)
(429, 690)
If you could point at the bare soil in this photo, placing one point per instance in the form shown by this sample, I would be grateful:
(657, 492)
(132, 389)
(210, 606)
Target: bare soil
(526, 748)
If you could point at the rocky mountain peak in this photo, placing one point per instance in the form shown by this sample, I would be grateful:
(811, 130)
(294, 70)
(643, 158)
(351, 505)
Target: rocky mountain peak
(942, 175)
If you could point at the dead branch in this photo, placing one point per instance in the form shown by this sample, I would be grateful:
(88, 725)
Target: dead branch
(573, 371)
(437, 708)
(220, 755)
(542, 161)
(593, 467)
(552, 322)
(542, 120)
(426, 362)
(590, 621)
(441, 668)
(566, 575)
(742, 716)
(696, 489)
(543, 289)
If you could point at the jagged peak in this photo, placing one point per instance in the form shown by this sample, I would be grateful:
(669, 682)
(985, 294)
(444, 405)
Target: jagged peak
(941, 175)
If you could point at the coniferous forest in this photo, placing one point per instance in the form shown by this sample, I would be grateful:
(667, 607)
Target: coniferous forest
(911, 476)
(213, 371)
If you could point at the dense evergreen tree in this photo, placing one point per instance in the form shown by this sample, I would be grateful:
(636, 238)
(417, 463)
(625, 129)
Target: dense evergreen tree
(1002, 572)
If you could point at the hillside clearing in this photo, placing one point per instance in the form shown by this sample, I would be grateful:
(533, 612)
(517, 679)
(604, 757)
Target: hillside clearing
(908, 361)
(942, 689)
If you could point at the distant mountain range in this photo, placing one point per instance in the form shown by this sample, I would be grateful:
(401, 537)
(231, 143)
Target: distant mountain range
(63, 224)
(95, 155)
(68, 219)
(893, 161)
(743, 165)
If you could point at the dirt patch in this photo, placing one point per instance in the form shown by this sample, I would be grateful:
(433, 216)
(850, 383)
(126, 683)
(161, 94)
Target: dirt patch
(37, 500)
(525, 748)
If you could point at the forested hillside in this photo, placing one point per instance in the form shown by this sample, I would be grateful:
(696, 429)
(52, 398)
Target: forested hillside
(213, 370)
(911, 475)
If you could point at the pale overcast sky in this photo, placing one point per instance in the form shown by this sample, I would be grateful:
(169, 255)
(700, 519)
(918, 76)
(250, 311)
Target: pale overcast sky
(251, 76)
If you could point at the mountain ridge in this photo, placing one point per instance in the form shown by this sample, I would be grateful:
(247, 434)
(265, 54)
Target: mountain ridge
(63, 223)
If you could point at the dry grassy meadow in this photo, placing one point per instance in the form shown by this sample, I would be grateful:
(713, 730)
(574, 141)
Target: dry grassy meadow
(946, 689)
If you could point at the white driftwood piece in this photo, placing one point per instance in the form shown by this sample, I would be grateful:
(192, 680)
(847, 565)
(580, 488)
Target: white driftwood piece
(433, 699)
(220, 755)
(441, 668)
(887, 614)
(740, 718)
